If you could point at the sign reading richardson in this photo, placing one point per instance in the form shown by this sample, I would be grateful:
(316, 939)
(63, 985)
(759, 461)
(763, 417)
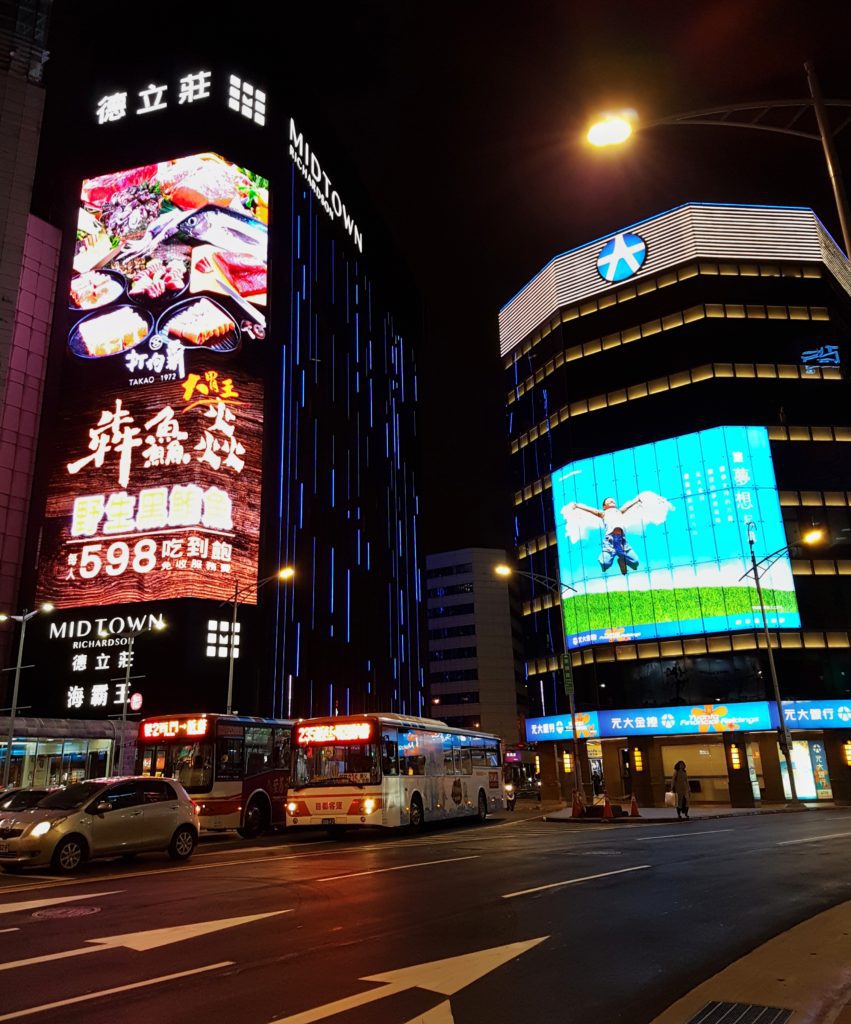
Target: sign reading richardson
(654, 539)
(311, 169)
(154, 488)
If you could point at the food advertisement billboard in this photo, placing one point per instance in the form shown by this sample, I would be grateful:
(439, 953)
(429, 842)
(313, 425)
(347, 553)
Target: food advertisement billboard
(156, 457)
(653, 540)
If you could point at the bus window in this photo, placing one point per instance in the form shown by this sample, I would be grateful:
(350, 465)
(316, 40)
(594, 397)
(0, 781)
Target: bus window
(281, 752)
(229, 764)
(258, 749)
(389, 752)
(449, 762)
(466, 761)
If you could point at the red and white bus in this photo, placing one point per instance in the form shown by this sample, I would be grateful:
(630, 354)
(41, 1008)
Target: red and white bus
(236, 768)
(391, 770)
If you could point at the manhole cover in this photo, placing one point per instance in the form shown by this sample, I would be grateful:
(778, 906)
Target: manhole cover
(54, 912)
(740, 1013)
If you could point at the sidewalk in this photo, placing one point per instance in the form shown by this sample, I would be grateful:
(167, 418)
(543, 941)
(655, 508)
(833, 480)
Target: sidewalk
(650, 815)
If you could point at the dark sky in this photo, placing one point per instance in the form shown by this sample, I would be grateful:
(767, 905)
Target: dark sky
(464, 121)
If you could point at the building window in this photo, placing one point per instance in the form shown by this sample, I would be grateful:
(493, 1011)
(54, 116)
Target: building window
(451, 653)
(444, 610)
(458, 675)
(457, 698)
(448, 631)
(456, 588)
(449, 570)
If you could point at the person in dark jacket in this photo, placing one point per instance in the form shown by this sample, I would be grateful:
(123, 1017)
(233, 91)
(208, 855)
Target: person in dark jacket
(679, 786)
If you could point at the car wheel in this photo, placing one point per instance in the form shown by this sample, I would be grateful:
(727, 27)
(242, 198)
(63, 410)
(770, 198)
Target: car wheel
(256, 820)
(482, 811)
(417, 817)
(182, 843)
(70, 855)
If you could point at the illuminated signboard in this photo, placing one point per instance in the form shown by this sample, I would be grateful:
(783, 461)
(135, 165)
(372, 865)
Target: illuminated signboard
(621, 257)
(155, 480)
(654, 539)
(171, 728)
(817, 714)
(341, 732)
(675, 721)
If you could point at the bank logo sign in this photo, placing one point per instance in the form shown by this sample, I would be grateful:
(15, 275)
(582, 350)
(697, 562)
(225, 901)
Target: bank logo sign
(621, 257)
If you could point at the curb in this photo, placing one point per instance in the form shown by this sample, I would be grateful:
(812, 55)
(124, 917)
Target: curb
(713, 816)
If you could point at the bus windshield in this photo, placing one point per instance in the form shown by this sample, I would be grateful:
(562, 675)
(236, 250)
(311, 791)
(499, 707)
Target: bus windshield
(333, 764)
(190, 764)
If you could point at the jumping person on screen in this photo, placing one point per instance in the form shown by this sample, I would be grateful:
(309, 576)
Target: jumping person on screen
(615, 544)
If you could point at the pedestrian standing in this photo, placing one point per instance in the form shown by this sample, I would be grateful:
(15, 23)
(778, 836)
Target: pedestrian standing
(679, 786)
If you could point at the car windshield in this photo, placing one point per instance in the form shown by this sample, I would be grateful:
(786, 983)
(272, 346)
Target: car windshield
(21, 800)
(72, 797)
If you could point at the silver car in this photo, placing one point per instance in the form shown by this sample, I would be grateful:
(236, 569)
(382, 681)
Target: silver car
(100, 818)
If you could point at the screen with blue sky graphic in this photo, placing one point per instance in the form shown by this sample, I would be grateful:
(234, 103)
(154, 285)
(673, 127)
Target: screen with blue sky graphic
(655, 539)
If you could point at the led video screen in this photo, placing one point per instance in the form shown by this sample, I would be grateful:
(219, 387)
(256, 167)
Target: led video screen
(654, 539)
(155, 467)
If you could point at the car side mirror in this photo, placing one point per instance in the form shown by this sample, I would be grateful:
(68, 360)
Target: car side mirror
(102, 806)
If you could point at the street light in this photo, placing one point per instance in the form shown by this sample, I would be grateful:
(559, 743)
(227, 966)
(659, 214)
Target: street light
(23, 618)
(286, 573)
(812, 536)
(556, 587)
(130, 636)
(616, 127)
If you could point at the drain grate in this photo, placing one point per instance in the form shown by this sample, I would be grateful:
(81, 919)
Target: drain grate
(740, 1013)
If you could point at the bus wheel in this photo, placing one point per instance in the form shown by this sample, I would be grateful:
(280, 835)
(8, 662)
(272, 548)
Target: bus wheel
(417, 818)
(482, 812)
(256, 819)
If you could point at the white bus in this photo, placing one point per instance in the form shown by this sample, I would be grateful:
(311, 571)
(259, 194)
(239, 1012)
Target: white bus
(391, 770)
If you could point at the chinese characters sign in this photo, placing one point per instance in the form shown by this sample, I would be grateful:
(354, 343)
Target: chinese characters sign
(654, 539)
(155, 484)
(192, 87)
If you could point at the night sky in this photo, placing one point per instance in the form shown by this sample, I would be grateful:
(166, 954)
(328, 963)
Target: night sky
(465, 120)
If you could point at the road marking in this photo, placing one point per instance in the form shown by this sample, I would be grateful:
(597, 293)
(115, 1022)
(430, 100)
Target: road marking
(815, 839)
(399, 867)
(143, 941)
(113, 991)
(13, 908)
(446, 977)
(683, 835)
(441, 1014)
(574, 881)
(4, 930)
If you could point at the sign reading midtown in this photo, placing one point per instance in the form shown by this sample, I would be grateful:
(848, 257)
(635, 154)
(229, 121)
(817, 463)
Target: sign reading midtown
(653, 539)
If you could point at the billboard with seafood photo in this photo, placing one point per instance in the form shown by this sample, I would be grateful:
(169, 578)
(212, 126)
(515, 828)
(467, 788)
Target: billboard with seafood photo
(156, 459)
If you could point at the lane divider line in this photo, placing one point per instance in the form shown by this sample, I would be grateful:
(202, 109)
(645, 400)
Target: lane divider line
(684, 835)
(573, 881)
(814, 839)
(399, 867)
(113, 991)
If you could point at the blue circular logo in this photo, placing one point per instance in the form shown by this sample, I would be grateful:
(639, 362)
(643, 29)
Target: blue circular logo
(621, 257)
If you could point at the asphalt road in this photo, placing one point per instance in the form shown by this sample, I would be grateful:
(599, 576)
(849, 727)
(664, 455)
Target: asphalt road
(534, 922)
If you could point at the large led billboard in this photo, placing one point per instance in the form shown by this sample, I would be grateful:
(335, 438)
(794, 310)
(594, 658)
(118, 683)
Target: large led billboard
(155, 466)
(654, 539)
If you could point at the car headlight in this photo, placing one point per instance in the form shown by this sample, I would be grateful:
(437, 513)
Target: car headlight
(42, 828)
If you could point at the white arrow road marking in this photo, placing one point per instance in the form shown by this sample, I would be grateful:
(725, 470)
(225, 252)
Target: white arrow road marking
(4, 930)
(815, 839)
(574, 881)
(683, 835)
(400, 867)
(113, 991)
(141, 941)
(442, 976)
(13, 908)
(439, 1015)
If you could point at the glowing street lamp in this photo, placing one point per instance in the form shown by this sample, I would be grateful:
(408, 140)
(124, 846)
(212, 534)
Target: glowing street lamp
(284, 574)
(555, 587)
(23, 618)
(611, 129)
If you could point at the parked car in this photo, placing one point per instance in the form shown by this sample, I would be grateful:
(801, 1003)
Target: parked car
(19, 799)
(100, 818)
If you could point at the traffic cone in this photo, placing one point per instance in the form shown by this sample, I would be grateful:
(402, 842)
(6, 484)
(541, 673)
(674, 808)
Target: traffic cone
(578, 807)
(633, 808)
(607, 807)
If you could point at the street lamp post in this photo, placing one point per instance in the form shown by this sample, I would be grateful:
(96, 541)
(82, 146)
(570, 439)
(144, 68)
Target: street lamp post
(811, 537)
(130, 636)
(555, 588)
(615, 128)
(286, 573)
(23, 618)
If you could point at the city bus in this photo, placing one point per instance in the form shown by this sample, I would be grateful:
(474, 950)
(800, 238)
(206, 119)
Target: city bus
(236, 768)
(390, 771)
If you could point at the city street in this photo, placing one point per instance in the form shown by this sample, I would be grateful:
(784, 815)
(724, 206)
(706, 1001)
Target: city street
(517, 920)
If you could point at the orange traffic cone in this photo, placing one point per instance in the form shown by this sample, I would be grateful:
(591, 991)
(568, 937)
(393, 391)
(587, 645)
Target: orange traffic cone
(607, 807)
(578, 807)
(633, 808)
